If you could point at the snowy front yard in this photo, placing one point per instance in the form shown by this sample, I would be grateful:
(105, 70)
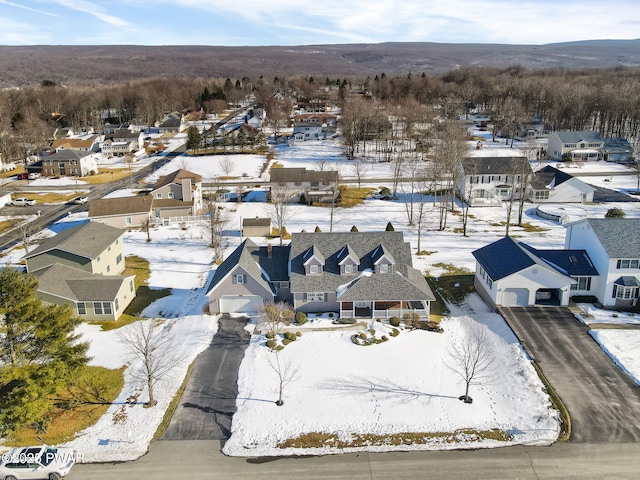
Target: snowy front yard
(359, 398)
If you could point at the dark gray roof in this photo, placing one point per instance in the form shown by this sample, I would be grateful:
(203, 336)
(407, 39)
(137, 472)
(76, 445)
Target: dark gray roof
(256, 222)
(620, 237)
(78, 285)
(548, 176)
(502, 258)
(627, 281)
(256, 261)
(66, 154)
(495, 165)
(573, 263)
(405, 283)
(302, 175)
(87, 240)
(578, 136)
(177, 177)
(120, 205)
(617, 145)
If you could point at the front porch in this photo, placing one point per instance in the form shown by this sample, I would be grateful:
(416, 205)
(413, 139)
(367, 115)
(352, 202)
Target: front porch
(384, 310)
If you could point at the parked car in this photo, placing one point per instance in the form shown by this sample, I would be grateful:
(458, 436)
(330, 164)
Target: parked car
(23, 176)
(80, 200)
(34, 175)
(39, 462)
(23, 202)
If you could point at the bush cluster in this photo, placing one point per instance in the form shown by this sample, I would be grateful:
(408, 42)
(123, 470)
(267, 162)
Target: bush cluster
(344, 321)
(394, 321)
(300, 318)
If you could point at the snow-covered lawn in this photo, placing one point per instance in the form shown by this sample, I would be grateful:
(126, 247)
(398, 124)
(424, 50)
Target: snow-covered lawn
(403, 385)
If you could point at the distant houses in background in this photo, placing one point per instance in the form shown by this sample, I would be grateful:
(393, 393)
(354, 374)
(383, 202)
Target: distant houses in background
(314, 185)
(550, 185)
(588, 145)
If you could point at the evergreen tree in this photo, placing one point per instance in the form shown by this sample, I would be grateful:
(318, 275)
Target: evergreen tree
(317, 230)
(39, 352)
(389, 228)
(193, 138)
(354, 229)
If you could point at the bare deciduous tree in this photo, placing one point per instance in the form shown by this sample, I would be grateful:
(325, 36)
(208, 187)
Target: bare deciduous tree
(472, 357)
(227, 165)
(280, 209)
(286, 374)
(152, 344)
(218, 217)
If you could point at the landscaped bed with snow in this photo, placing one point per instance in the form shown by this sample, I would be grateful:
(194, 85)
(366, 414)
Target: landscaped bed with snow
(398, 394)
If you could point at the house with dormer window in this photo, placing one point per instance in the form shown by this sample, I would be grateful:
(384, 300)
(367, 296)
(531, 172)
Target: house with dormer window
(576, 146)
(355, 274)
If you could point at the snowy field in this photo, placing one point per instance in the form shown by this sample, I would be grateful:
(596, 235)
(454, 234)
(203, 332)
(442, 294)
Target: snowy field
(402, 385)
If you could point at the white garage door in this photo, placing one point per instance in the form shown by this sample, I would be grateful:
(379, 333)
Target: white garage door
(240, 304)
(513, 297)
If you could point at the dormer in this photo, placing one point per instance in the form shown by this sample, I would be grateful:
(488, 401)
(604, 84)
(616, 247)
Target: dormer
(348, 261)
(313, 261)
(383, 261)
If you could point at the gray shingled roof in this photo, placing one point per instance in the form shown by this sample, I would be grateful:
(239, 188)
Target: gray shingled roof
(568, 262)
(87, 240)
(78, 285)
(495, 165)
(120, 205)
(256, 222)
(302, 175)
(176, 177)
(620, 237)
(578, 136)
(547, 176)
(66, 154)
(255, 260)
(405, 283)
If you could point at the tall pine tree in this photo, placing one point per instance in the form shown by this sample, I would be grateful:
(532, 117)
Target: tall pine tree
(39, 352)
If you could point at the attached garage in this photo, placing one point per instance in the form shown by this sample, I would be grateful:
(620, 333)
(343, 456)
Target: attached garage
(250, 304)
(514, 297)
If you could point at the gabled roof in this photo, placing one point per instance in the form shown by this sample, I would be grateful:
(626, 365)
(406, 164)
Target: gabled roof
(381, 252)
(347, 252)
(495, 165)
(627, 281)
(620, 237)
(313, 252)
(66, 154)
(404, 283)
(502, 258)
(177, 177)
(78, 285)
(72, 143)
(549, 177)
(288, 175)
(120, 206)
(574, 263)
(256, 222)
(578, 136)
(617, 145)
(256, 261)
(87, 240)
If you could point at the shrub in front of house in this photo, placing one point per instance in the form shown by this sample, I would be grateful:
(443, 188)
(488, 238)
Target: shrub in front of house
(290, 336)
(271, 344)
(344, 321)
(395, 332)
(301, 318)
(394, 321)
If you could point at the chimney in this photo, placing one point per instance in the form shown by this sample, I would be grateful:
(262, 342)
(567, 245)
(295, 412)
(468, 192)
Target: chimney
(269, 251)
(186, 189)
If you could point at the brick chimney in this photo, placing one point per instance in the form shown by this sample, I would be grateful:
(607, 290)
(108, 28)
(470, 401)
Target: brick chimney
(269, 251)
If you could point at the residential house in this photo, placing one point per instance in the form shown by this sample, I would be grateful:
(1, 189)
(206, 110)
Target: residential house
(614, 249)
(92, 246)
(480, 119)
(512, 273)
(68, 163)
(248, 278)
(314, 126)
(122, 212)
(93, 297)
(177, 194)
(82, 266)
(78, 144)
(617, 150)
(120, 143)
(256, 227)
(356, 274)
(489, 181)
(315, 185)
(577, 146)
(550, 185)
(170, 123)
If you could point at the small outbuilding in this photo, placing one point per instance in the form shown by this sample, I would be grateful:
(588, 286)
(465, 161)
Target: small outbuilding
(256, 227)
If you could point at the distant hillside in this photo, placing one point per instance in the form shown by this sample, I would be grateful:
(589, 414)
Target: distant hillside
(103, 64)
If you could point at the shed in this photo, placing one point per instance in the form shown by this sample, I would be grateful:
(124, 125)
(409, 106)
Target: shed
(256, 227)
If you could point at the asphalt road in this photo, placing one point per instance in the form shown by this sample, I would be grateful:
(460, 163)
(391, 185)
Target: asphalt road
(209, 399)
(197, 460)
(603, 402)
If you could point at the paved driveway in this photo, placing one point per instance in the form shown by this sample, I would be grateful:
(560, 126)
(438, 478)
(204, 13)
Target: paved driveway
(209, 399)
(603, 403)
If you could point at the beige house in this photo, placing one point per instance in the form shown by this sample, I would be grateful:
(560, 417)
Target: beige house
(93, 297)
(122, 212)
(316, 186)
(92, 247)
(256, 227)
(178, 194)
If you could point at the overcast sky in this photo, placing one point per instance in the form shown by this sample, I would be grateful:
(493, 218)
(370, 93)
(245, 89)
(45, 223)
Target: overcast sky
(295, 22)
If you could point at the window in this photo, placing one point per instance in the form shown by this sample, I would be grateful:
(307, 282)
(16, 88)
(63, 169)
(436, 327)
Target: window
(131, 285)
(239, 278)
(108, 268)
(315, 269)
(97, 308)
(115, 303)
(82, 308)
(385, 268)
(626, 293)
(170, 195)
(106, 306)
(584, 283)
(159, 195)
(348, 268)
(315, 297)
(624, 264)
(119, 258)
(541, 195)
(98, 259)
(128, 221)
